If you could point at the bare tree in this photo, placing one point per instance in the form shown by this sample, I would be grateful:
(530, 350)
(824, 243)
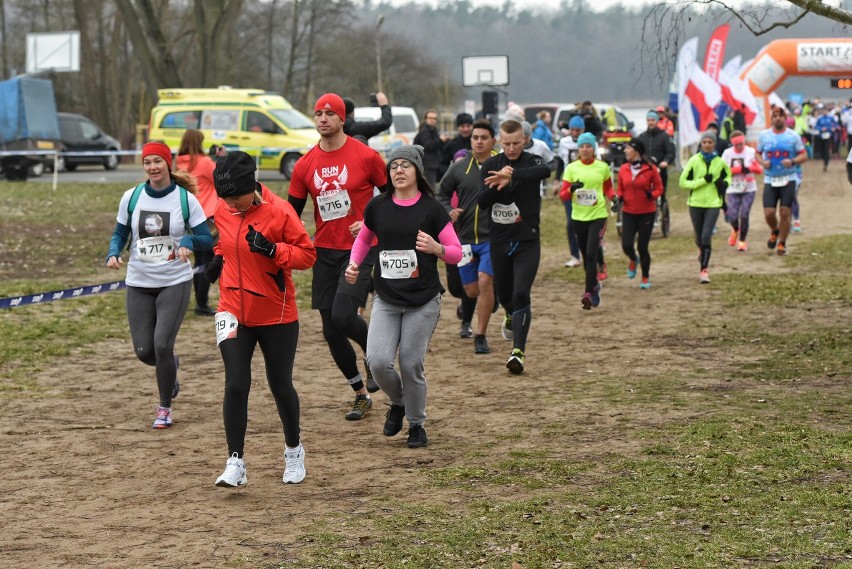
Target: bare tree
(664, 24)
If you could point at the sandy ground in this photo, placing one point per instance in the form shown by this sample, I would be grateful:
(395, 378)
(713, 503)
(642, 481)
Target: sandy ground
(88, 483)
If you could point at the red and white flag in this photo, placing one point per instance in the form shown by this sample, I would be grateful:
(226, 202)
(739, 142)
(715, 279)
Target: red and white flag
(735, 91)
(704, 94)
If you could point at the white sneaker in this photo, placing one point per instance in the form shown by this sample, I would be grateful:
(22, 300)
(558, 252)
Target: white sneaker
(294, 464)
(235, 473)
(573, 262)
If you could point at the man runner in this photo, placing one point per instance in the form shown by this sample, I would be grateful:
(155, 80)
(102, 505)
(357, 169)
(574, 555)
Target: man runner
(339, 175)
(779, 151)
(510, 187)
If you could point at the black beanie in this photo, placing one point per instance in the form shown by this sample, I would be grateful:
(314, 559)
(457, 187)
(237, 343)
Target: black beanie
(463, 118)
(234, 175)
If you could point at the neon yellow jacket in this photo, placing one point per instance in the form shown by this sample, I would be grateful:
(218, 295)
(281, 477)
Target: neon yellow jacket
(701, 193)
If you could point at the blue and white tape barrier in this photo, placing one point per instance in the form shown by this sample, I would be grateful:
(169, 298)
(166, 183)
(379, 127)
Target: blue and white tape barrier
(42, 297)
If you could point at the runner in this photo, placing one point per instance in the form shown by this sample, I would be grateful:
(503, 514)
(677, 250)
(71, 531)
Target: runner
(261, 239)
(568, 152)
(707, 177)
(639, 186)
(471, 222)
(586, 181)
(740, 196)
(339, 175)
(159, 276)
(413, 232)
(779, 151)
(192, 158)
(510, 188)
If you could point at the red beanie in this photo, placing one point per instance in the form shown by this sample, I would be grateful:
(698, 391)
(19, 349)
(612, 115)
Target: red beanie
(332, 102)
(158, 149)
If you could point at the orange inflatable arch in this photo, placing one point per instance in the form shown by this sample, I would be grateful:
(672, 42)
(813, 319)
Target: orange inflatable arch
(780, 59)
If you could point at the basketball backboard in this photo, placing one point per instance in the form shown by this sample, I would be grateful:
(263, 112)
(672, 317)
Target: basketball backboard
(59, 51)
(485, 70)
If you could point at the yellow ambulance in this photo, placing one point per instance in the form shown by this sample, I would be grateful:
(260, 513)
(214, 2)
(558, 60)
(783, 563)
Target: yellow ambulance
(262, 124)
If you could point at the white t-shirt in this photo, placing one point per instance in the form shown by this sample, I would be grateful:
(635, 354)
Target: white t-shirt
(155, 233)
(740, 183)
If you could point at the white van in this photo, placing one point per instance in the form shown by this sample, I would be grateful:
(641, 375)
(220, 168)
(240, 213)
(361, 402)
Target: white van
(402, 131)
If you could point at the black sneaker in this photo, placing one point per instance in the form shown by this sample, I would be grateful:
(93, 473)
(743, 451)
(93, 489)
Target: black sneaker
(480, 345)
(393, 420)
(205, 311)
(362, 404)
(773, 239)
(417, 436)
(465, 331)
(372, 386)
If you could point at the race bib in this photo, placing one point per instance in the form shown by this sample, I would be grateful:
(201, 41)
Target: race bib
(586, 197)
(155, 249)
(333, 205)
(738, 184)
(226, 326)
(467, 256)
(506, 214)
(779, 181)
(401, 264)
(825, 135)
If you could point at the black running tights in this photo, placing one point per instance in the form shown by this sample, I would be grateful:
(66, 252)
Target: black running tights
(278, 345)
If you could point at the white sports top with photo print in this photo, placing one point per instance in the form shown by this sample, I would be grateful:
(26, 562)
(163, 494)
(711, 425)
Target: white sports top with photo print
(158, 266)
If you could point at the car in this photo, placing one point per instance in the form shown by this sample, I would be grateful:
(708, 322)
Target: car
(561, 113)
(80, 135)
(402, 131)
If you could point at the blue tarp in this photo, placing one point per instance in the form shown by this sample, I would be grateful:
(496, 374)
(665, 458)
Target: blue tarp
(27, 110)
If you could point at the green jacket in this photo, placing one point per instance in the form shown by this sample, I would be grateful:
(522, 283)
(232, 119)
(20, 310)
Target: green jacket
(701, 193)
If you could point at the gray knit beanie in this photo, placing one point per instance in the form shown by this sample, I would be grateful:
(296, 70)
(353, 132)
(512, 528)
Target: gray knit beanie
(709, 134)
(411, 152)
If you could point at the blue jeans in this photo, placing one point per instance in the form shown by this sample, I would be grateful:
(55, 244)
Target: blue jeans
(406, 330)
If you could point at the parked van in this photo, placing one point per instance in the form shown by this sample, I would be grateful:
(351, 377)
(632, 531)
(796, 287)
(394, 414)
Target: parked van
(560, 114)
(264, 125)
(81, 135)
(402, 131)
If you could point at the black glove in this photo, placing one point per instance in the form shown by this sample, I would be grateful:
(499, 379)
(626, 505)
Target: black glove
(745, 170)
(708, 177)
(724, 206)
(616, 204)
(213, 269)
(649, 195)
(259, 244)
(576, 186)
(721, 186)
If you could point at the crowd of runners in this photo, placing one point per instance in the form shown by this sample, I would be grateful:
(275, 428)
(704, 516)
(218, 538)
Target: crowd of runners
(381, 228)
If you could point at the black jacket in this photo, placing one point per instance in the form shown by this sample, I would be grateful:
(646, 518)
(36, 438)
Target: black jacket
(658, 145)
(523, 191)
(430, 139)
(368, 129)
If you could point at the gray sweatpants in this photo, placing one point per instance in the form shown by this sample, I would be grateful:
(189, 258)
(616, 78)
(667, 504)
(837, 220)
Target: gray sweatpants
(155, 316)
(407, 330)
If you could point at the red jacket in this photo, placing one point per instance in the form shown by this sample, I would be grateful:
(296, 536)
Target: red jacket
(203, 172)
(259, 290)
(632, 190)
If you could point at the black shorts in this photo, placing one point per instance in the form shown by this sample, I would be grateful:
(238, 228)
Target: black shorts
(329, 277)
(785, 194)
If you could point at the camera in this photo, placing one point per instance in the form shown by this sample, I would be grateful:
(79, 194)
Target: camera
(374, 101)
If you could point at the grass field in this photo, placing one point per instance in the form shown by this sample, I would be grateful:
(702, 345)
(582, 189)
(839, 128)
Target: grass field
(741, 458)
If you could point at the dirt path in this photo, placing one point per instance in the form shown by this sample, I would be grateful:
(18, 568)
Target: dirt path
(89, 484)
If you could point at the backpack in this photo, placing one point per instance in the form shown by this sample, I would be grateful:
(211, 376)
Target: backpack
(184, 205)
